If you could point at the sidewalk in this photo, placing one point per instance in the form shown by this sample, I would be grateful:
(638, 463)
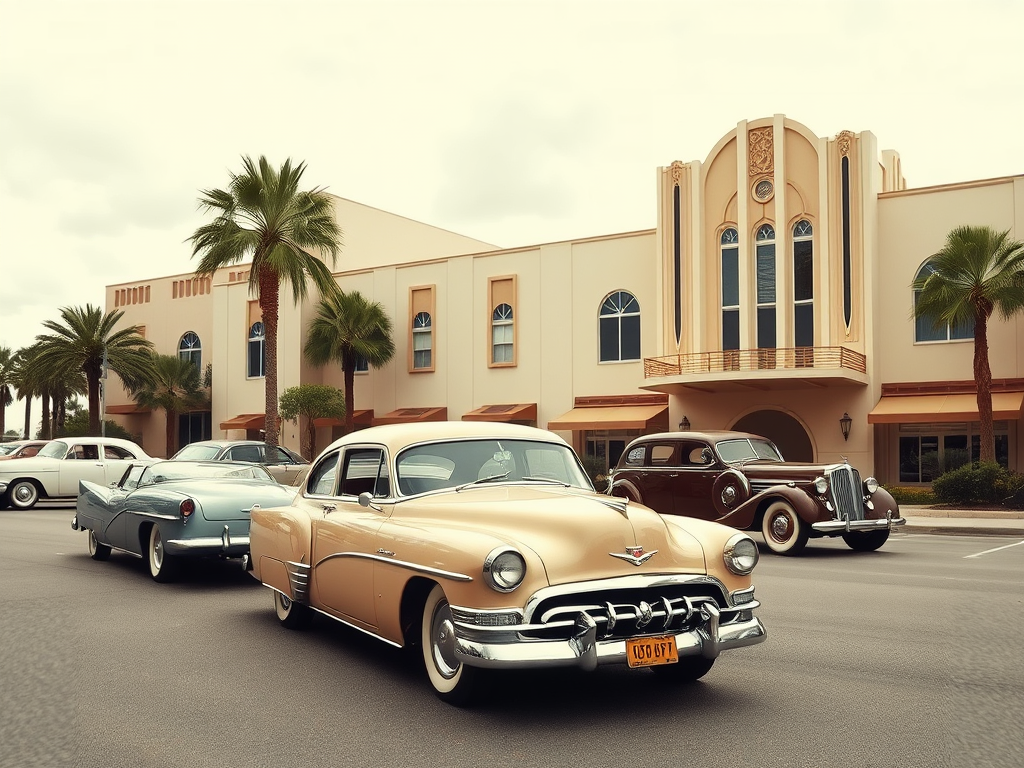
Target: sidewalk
(969, 522)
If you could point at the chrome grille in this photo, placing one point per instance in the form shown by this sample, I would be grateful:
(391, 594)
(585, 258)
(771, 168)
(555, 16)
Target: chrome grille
(845, 489)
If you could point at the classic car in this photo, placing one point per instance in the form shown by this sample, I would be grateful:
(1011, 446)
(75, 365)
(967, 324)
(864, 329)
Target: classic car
(55, 472)
(20, 449)
(741, 480)
(487, 546)
(285, 465)
(171, 511)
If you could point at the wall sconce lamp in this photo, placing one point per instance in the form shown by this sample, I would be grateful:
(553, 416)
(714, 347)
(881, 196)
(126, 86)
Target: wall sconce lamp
(684, 425)
(844, 424)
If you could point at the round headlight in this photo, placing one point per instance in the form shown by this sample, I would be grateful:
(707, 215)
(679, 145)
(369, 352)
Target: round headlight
(821, 485)
(505, 569)
(740, 554)
(871, 485)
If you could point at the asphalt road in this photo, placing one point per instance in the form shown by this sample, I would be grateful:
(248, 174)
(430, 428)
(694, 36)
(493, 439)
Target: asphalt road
(910, 656)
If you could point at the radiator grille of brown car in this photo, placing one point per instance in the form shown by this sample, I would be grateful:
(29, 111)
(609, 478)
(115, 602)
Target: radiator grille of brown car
(847, 497)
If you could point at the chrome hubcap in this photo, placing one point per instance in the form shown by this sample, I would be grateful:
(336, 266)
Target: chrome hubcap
(443, 632)
(23, 493)
(780, 526)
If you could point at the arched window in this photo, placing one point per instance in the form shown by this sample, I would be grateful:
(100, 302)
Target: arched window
(257, 350)
(502, 335)
(925, 328)
(189, 348)
(803, 284)
(422, 341)
(620, 328)
(730, 250)
(764, 252)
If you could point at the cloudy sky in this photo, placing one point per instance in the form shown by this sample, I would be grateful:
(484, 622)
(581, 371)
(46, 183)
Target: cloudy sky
(516, 122)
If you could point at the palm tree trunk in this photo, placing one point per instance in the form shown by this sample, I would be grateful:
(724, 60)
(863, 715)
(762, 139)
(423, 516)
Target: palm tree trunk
(28, 417)
(269, 289)
(983, 375)
(350, 397)
(310, 438)
(45, 427)
(172, 428)
(94, 404)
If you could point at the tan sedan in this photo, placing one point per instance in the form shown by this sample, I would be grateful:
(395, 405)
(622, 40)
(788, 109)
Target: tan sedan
(487, 546)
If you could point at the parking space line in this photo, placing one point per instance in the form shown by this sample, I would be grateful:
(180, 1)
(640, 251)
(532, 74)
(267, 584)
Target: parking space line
(989, 551)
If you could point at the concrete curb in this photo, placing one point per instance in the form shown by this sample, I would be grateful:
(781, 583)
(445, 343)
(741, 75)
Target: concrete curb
(961, 530)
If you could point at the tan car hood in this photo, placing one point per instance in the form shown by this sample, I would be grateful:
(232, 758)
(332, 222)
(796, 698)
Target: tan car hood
(573, 532)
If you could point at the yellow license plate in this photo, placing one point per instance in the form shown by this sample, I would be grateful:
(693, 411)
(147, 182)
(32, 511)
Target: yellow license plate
(649, 651)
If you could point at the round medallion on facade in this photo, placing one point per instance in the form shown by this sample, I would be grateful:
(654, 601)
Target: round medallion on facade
(763, 190)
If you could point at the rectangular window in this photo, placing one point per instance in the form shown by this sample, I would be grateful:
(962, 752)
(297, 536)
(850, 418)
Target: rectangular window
(502, 344)
(502, 319)
(766, 327)
(766, 274)
(422, 325)
(731, 329)
(803, 319)
(631, 337)
(803, 270)
(730, 277)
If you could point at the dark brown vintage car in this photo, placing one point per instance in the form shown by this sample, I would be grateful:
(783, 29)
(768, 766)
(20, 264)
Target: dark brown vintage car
(742, 480)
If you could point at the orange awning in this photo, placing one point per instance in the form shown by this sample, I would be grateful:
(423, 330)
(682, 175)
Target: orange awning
(245, 421)
(644, 417)
(363, 418)
(125, 410)
(942, 408)
(513, 412)
(407, 415)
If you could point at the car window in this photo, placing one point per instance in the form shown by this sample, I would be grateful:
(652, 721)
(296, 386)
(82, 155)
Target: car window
(322, 479)
(131, 477)
(276, 455)
(245, 453)
(635, 457)
(57, 449)
(84, 452)
(117, 452)
(363, 471)
(198, 452)
(664, 455)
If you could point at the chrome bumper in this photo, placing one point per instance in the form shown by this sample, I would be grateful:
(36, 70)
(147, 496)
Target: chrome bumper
(585, 650)
(225, 544)
(846, 526)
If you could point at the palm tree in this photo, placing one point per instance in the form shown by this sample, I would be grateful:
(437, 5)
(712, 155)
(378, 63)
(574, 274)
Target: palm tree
(346, 329)
(27, 385)
(176, 388)
(84, 342)
(6, 379)
(977, 271)
(264, 215)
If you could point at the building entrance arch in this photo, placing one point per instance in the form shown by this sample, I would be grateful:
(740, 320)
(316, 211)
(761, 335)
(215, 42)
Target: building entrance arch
(783, 430)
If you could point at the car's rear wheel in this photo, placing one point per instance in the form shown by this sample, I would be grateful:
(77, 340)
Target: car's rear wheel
(97, 551)
(23, 494)
(784, 532)
(292, 615)
(866, 541)
(687, 669)
(163, 567)
(453, 681)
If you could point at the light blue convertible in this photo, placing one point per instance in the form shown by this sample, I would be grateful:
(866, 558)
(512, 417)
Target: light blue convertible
(174, 510)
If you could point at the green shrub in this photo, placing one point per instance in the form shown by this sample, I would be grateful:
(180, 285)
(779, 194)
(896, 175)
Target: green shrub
(595, 469)
(977, 483)
(911, 495)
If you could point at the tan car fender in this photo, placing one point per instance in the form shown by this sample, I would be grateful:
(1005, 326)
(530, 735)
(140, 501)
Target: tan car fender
(276, 537)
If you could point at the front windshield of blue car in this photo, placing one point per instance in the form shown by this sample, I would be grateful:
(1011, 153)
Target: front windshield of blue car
(748, 449)
(55, 449)
(168, 471)
(456, 463)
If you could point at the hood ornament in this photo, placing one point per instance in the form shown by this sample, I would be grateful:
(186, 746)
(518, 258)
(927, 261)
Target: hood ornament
(634, 555)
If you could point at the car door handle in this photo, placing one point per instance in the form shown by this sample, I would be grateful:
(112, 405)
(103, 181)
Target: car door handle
(328, 508)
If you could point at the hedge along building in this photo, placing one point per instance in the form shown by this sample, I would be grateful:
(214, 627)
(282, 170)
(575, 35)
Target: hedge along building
(773, 295)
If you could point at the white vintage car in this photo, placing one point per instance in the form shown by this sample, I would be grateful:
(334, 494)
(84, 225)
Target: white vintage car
(58, 468)
(487, 546)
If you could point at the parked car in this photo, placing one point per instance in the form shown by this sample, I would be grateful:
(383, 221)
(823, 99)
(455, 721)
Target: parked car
(20, 449)
(741, 480)
(173, 511)
(287, 467)
(486, 545)
(55, 472)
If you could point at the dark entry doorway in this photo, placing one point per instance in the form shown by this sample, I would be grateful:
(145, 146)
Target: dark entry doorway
(782, 429)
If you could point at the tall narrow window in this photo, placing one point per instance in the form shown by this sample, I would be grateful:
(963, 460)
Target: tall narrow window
(765, 268)
(926, 328)
(730, 248)
(620, 328)
(803, 290)
(502, 335)
(422, 339)
(257, 350)
(189, 348)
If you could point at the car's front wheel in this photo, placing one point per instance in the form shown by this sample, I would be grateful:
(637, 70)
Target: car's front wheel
(687, 669)
(23, 494)
(453, 681)
(97, 551)
(866, 541)
(163, 567)
(292, 615)
(784, 532)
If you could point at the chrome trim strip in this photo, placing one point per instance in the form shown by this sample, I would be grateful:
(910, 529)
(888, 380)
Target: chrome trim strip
(156, 516)
(207, 542)
(401, 563)
(298, 579)
(346, 623)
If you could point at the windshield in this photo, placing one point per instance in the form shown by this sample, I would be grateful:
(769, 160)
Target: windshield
(748, 449)
(197, 452)
(56, 449)
(454, 463)
(166, 471)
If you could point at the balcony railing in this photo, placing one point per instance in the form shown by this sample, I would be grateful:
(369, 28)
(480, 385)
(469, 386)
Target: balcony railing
(795, 358)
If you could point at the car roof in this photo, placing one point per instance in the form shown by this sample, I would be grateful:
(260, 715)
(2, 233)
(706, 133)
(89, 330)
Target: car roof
(398, 436)
(708, 435)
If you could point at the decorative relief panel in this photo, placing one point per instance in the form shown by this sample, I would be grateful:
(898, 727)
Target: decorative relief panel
(677, 171)
(844, 140)
(761, 150)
